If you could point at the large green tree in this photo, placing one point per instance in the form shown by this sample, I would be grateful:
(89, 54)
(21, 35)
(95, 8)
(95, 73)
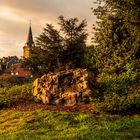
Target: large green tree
(45, 56)
(117, 38)
(57, 48)
(74, 36)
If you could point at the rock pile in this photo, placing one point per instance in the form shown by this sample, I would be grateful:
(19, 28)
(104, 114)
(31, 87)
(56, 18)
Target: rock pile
(66, 87)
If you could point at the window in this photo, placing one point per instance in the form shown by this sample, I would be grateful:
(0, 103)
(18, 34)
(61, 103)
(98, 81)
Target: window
(17, 73)
(12, 73)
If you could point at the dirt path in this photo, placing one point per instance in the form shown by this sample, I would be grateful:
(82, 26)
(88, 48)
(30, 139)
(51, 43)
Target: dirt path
(30, 106)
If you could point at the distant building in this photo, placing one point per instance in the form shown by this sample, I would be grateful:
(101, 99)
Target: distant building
(10, 66)
(21, 72)
(8, 62)
(29, 45)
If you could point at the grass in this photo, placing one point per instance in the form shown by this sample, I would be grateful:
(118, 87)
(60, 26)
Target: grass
(46, 125)
(49, 125)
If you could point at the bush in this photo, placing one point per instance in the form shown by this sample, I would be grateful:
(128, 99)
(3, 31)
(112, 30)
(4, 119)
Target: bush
(120, 81)
(113, 103)
(9, 81)
(9, 96)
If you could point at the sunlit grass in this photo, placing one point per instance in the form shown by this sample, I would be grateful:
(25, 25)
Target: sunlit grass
(49, 125)
(46, 125)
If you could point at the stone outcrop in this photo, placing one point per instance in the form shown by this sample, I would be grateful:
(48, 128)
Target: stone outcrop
(68, 88)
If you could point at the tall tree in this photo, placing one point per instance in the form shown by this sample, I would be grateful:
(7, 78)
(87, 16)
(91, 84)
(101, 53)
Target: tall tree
(56, 49)
(117, 38)
(75, 36)
(45, 56)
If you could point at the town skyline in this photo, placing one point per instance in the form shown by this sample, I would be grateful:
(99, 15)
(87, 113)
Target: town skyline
(15, 16)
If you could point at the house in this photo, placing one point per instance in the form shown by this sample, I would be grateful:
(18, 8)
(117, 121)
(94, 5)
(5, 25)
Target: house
(6, 63)
(21, 72)
(11, 65)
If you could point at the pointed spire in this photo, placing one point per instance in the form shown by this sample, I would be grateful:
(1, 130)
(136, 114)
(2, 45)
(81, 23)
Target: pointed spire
(30, 41)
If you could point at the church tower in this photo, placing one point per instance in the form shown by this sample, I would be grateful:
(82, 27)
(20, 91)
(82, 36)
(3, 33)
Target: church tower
(29, 45)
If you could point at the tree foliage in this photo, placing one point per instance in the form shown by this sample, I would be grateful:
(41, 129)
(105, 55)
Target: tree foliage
(74, 36)
(45, 55)
(57, 48)
(117, 41)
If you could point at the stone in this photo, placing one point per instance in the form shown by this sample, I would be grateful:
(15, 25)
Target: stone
(67, 87)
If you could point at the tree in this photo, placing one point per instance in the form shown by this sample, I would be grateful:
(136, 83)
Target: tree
(51, 43)
(56, 49)
(89, 58)
(117, 38)
(74, 36)
(45, 56)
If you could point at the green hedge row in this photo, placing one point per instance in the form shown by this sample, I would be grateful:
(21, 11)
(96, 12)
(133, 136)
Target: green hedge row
(113, 103)
(18, 93)
(9, 81)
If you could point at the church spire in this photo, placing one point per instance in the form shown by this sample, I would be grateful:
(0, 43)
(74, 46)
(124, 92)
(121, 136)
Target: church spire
(30, 41)
(29, 45)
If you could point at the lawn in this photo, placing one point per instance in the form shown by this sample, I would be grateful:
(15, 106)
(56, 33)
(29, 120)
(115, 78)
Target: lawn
(23, 119)
(51, 125)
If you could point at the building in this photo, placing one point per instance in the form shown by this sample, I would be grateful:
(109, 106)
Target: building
(8, 62)
(21, 72)
(11, 66)
(29, 45)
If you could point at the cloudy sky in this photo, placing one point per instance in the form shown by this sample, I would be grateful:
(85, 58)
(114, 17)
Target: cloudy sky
(15, 16)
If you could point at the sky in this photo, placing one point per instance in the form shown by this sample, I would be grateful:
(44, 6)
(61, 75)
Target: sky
(16, 14)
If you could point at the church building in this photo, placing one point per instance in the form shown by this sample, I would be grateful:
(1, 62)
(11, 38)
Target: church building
(29, 45)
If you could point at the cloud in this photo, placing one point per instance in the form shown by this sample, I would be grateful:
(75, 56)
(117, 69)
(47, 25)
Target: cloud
(15, 16)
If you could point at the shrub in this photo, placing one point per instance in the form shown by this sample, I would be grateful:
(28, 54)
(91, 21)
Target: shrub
(9, 96)
(9, 81)
(113, 103)
(120, 81)
(5, 101)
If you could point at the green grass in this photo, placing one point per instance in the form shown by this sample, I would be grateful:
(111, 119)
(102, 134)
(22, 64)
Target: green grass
(46, 125)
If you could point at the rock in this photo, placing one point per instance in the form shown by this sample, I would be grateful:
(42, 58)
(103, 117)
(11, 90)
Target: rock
(69, 98)
(67, 88)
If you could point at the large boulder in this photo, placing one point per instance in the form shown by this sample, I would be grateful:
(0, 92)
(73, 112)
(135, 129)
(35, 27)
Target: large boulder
(68, 88)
